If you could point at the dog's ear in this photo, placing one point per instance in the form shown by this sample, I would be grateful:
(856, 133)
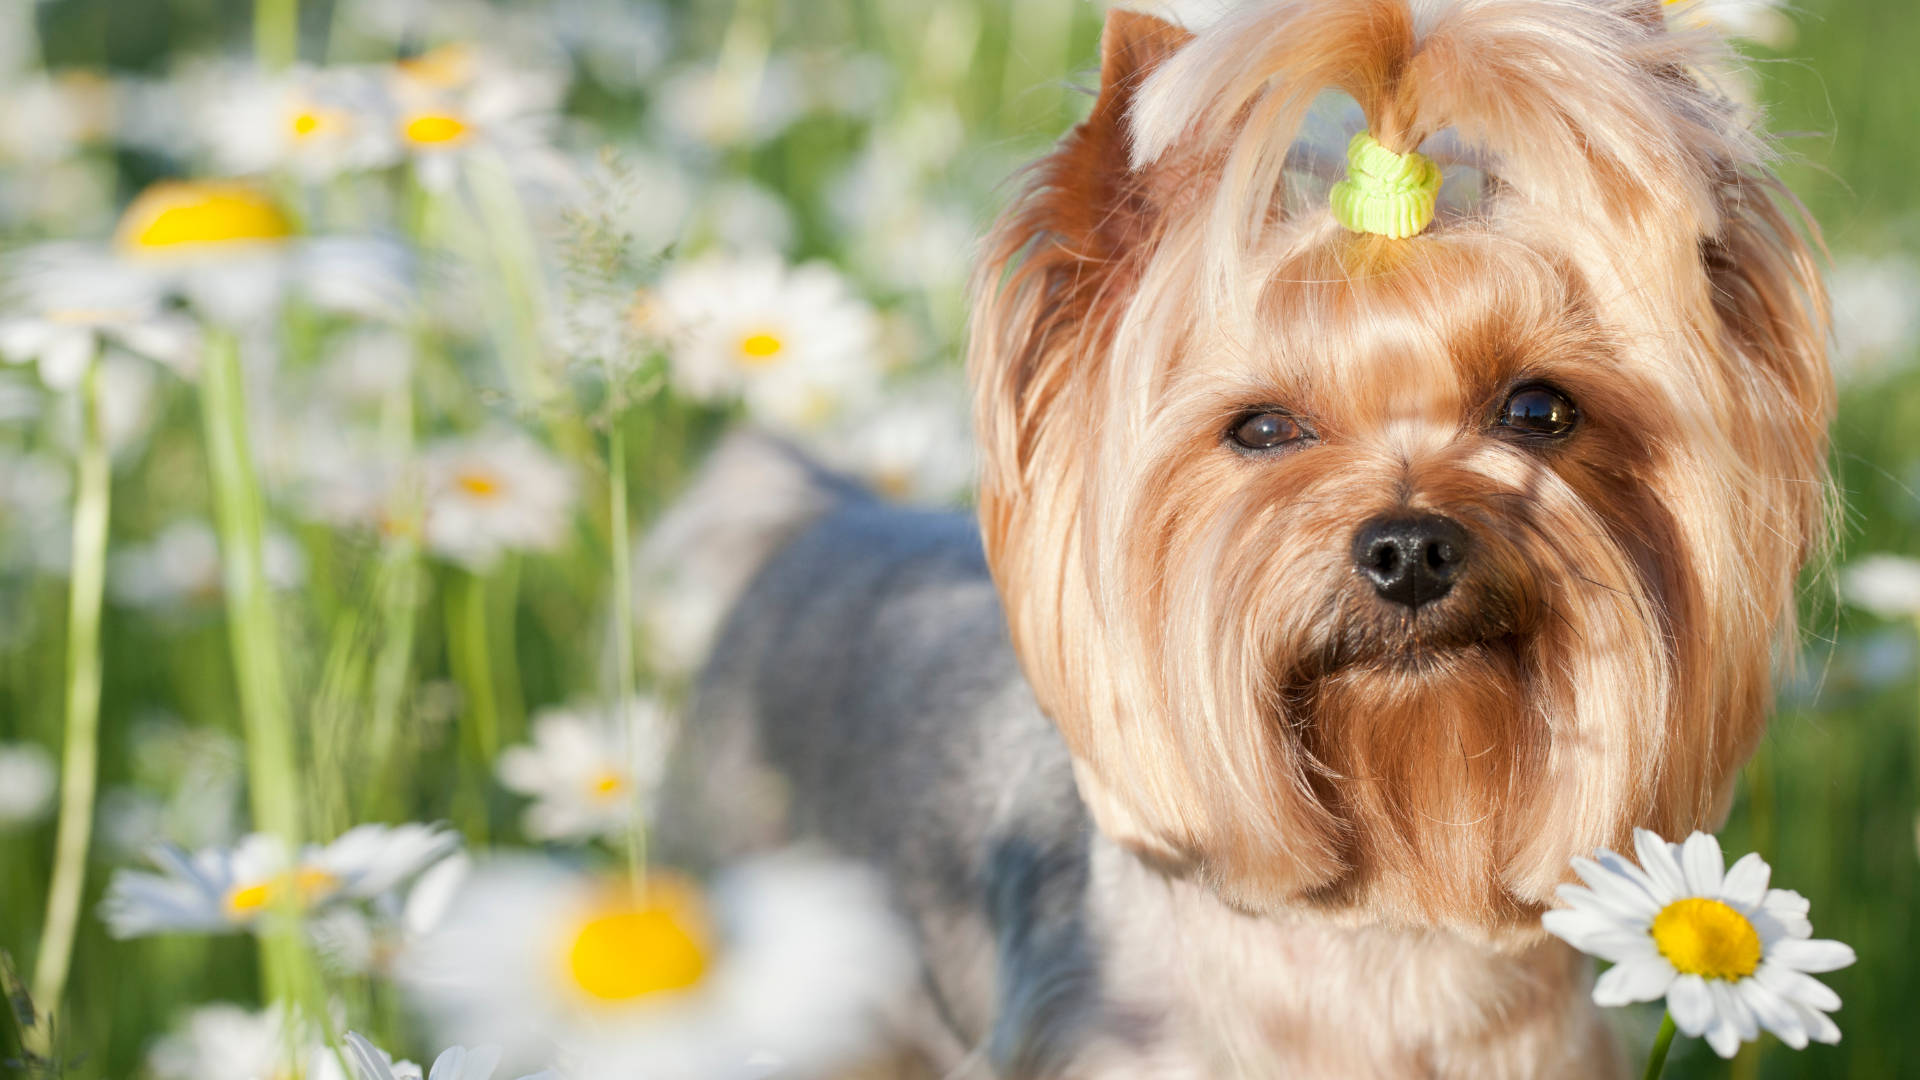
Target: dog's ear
(1085, 218)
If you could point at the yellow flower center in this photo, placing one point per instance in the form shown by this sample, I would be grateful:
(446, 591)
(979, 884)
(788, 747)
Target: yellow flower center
(173, 215)
(630, 950)
(480, 485)
(309, 884)
(608, 785)
(1707, 938)
(760, 350)
(446, 67)
(308, 121)
(435, 129)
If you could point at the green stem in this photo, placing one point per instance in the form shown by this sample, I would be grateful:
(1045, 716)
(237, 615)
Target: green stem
(1657, 1060)
(79, 769)
(469, 655)
(398, 592)
(276, 33)
(623, 663)
(272, 778)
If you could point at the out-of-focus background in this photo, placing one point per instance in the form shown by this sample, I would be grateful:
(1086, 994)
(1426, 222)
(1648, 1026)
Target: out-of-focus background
(347, 350)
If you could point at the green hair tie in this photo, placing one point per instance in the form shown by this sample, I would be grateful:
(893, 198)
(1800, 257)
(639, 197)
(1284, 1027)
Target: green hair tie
(1385, 193)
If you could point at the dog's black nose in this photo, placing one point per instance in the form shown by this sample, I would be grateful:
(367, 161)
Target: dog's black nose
(1411, 559)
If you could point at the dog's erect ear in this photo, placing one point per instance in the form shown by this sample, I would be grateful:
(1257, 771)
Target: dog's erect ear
(1104, 204)
(1084, 215)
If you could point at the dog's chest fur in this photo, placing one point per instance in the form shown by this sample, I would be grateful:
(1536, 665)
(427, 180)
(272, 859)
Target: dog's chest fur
(867, 667)
(1257, 998)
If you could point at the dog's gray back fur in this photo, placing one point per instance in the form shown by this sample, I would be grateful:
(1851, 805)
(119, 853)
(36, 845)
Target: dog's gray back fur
(867, 668)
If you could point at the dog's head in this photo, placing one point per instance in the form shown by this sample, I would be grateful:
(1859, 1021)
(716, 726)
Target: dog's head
(1384, 575)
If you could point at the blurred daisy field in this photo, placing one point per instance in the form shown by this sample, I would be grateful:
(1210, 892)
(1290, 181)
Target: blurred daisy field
(350, 348)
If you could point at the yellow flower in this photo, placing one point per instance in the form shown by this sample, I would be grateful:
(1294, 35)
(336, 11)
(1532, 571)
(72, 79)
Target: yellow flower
(175, 216)
(1728, 953)
(630, 946)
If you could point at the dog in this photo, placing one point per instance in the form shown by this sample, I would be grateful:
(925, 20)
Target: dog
(1333, 583)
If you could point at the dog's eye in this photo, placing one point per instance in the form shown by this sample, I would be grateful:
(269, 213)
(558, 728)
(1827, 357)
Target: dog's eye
(1539, 410)
(1266, 431)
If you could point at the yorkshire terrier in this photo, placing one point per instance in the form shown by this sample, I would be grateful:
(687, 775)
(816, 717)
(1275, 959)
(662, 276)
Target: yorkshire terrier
(1351, 553)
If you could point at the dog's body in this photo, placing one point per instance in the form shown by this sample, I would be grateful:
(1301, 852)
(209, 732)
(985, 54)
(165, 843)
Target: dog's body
(868, 666)
(1333, 587)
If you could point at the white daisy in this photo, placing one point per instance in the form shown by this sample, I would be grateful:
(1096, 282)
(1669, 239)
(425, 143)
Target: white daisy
(314, 123)
(28, 780)
(1876, 313)
(456, 102)
(367, 942)
(224, 889)
(492, 493)
(52, 117)
(788, 959)
(794, 342)
(36, 508)
(587, 772)
(234, 253)
(1887, 585)
(731, 104)
(188, 783)
(1730, 955)
(63, 310)
(1762, 21)
(227, 1042)
(455, 1063)
(181, 567)
(915, 445)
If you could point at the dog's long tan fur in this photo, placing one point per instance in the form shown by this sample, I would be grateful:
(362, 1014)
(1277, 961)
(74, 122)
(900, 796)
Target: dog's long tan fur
(1241, 713)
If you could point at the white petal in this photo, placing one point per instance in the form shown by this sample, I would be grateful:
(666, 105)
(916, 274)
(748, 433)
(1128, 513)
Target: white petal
(1820, 1027)
(1656, 857)
(1625, 867)
(65, 359)
(1746, 881)
(1618, 894)
(1723, 1038)
(1597, 934)
(1730, 1008)
(1573, 925)
(1640, 979)
(1690, 1004)
(1774, 1012)
(1814, 955)
(1703, 863)
(1795, 986)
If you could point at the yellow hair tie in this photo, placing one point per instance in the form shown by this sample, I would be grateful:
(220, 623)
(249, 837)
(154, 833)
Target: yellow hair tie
(1385, 193)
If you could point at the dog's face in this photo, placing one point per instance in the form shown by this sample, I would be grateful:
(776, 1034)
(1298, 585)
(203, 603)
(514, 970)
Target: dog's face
(1379, 575)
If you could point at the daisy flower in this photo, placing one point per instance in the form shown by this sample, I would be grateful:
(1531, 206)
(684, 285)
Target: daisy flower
(224, 889)
(916, 445)
(36, 508)
(62, 314)
(1730, 955)
(1887, 585)
(315, 123)
(181, 567)
(794, 342)
(455, 1063)
(1761, 21)
(787, 959)
(455, 102)
(587, 772)
(1876, 313)
(492, 493)
(227, 1042)
(28, 780)
(367, 942)
(234, 254)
